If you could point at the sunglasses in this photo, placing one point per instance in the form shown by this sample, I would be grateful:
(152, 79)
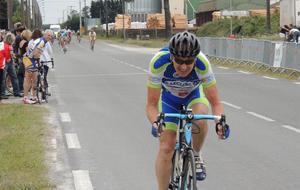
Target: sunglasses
(181, 62)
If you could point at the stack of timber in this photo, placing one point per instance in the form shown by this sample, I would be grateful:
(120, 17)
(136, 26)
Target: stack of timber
(156, 21)
(261, 12)
(179, 21)
(119, 21)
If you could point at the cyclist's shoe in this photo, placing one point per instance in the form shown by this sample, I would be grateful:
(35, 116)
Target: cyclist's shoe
(200, 168)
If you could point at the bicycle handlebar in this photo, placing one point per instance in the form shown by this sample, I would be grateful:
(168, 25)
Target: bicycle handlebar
(189, 116)
(52, 61)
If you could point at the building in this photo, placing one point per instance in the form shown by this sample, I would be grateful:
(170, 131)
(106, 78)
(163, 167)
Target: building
(138, 9)
(290, 12)
(207, 7)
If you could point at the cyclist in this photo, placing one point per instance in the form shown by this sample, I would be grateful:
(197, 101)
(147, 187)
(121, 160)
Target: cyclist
(92, 37)
(180, 74)
(63, 39)
(78, 36)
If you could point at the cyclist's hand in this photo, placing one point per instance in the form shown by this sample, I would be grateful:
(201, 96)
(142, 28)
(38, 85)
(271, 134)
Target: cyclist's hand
(156, 129)
(223, 131)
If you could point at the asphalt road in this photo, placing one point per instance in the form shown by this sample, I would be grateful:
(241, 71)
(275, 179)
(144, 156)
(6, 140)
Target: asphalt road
(105, 139)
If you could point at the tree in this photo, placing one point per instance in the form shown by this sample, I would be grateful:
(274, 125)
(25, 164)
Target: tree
(86, 12)
(268, 23)
(167, 19)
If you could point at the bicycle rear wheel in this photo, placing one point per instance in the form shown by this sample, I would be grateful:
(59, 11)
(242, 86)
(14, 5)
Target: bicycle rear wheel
(175, 175)
(188, 180)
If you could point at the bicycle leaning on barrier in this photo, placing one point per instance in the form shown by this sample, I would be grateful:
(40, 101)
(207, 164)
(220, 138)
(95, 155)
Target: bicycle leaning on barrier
(42, 92)
(183, 176)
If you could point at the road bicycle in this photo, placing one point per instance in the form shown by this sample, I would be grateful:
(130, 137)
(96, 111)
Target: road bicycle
(183, 175)
(42, 85)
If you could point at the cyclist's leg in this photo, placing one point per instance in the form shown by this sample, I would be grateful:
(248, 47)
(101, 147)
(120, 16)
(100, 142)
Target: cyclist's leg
(167, 143)
(199, 105)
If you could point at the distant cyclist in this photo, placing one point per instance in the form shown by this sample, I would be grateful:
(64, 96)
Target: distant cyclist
(181, 75)
(78, 36)
(92, 38)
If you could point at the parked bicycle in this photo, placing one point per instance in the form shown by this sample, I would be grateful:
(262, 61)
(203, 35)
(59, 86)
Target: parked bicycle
(183, 175)
(42, 85)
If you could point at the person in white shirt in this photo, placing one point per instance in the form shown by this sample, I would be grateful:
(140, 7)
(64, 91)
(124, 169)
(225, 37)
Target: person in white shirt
(47, 57)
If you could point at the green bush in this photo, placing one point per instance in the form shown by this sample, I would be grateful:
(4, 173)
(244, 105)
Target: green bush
(251, 27)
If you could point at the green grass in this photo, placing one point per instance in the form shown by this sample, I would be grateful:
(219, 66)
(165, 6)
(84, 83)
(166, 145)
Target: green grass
(22, 148)
(151, 43)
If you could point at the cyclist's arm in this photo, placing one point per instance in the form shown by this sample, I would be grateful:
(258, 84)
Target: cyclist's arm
(212, 95)
(152, 103)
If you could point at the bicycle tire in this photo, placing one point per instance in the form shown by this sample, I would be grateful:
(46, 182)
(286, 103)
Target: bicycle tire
(188, 180)
(173, 185)
(8, 84)
(40, 90)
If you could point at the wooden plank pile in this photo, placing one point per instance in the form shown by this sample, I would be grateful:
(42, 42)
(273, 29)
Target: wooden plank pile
(156, 21)
(119, 21)
(179, 21)
(260, 12)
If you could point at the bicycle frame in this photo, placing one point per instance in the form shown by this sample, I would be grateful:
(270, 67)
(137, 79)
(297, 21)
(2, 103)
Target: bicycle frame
(183, 148)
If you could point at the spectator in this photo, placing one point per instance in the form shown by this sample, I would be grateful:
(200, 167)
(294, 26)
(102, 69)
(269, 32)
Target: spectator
(295, 33)
(10, 68)
(20, 74)
(4, 56)
(31, 61)
(47, 54)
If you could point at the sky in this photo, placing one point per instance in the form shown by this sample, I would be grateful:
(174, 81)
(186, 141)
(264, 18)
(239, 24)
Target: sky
(53, 10)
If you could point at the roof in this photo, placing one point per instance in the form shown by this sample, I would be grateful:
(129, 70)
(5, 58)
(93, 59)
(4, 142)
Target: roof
(207, 6)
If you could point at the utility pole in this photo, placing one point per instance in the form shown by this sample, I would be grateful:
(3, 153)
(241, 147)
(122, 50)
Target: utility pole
(123, 6)
(106, 18)
(9, 14)
(22, 12)
(80, 21)
(268, 23)
(167, 19)
(230, 1)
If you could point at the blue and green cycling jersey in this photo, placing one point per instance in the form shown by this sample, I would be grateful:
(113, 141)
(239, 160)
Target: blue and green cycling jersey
(175, 90)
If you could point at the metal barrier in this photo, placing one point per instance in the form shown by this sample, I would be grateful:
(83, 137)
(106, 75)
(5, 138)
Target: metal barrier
(273, 54)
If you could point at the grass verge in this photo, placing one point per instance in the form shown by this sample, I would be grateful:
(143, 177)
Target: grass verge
(151, 43)
(22, 148)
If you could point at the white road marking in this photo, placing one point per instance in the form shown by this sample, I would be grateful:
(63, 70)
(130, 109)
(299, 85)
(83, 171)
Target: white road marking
(72, 141)
(53, 144)
(260, 116)
(297, 83)
(82, 180)
(99, 75)
(245, 72)
(291, 128)
(223, 67)
(231, 105)
(270, 78)
(65, 117)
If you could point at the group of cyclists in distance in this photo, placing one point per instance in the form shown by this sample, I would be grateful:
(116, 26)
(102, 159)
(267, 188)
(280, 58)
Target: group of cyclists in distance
(64, 37)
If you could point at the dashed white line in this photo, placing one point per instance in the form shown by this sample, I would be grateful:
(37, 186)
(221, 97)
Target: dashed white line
(72, 141)
(245, 72)
(297, 83)
(260, 116)
(291, 128)
(223, 67)
(231, 105)
(65, 117)
(82, 180)
(270, 78)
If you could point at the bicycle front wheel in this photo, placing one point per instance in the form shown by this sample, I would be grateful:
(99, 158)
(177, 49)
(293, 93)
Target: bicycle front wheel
(40, 90)
(188, 180)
